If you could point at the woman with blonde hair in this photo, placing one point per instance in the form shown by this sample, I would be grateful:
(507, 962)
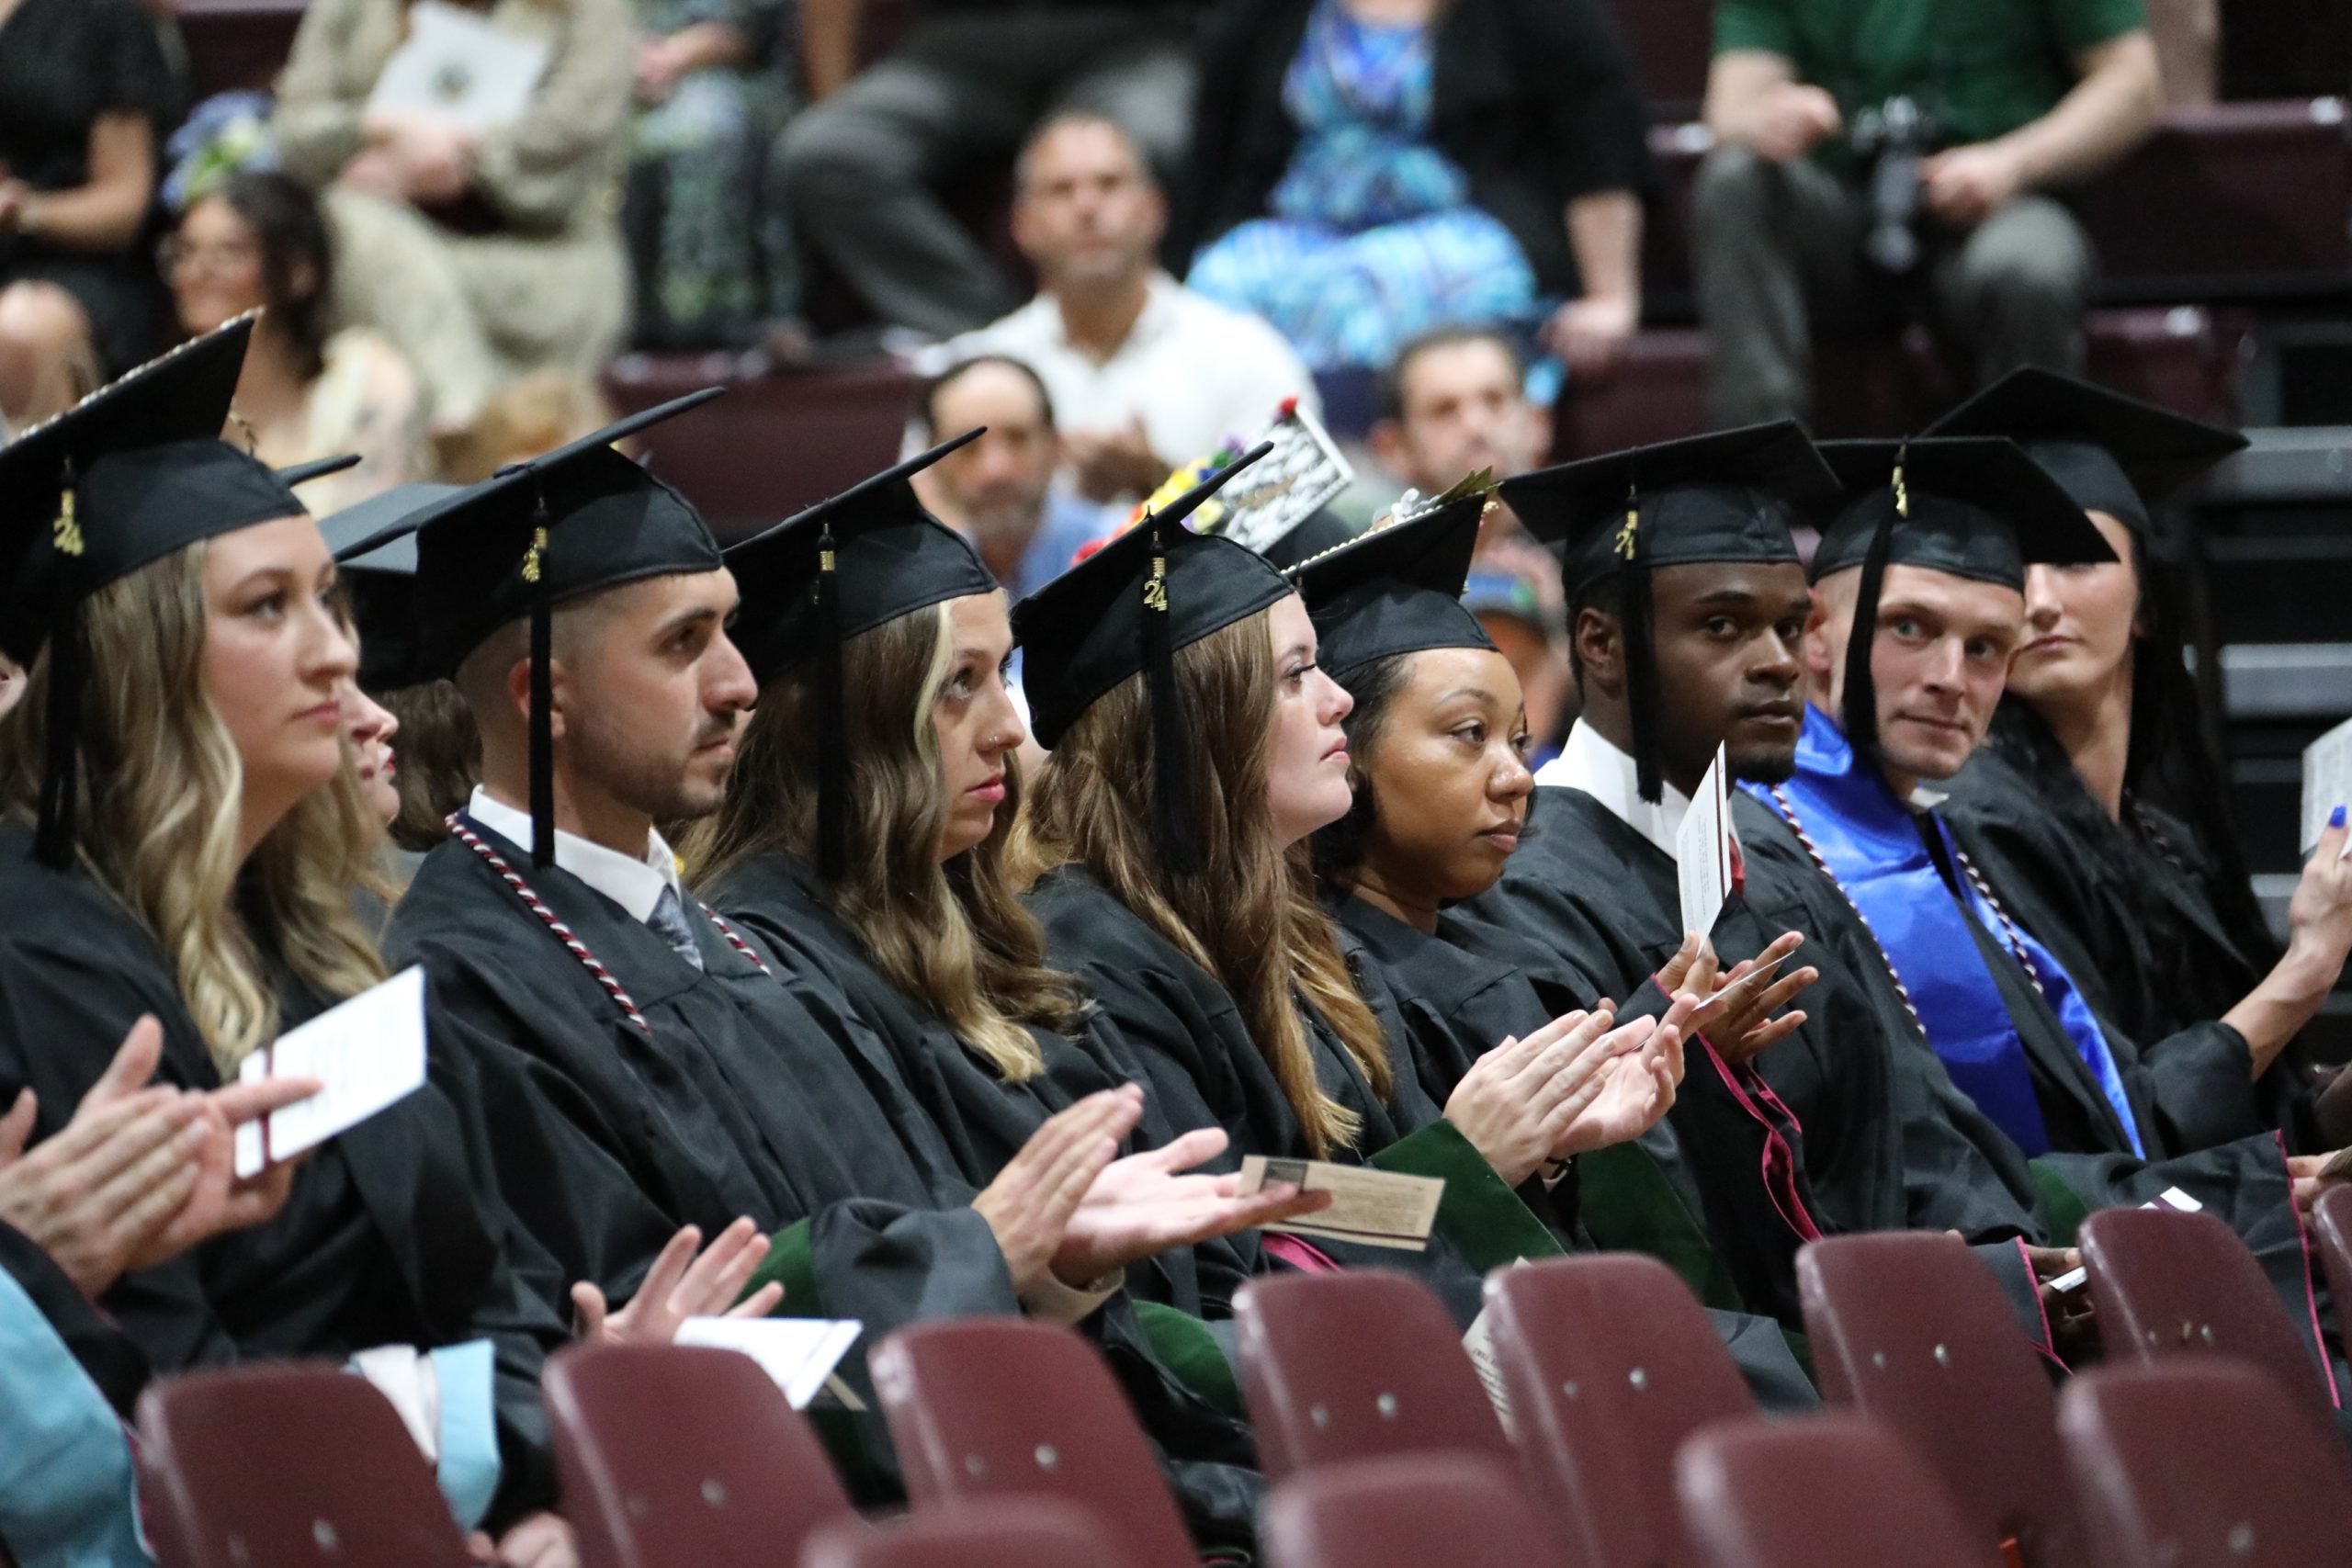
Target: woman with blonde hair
(1195, 746)
(179, 830)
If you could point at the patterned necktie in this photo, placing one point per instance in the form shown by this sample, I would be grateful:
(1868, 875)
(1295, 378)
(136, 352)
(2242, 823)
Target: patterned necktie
(669, 923)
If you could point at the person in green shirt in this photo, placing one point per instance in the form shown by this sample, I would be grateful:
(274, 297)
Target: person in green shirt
(2022, 99)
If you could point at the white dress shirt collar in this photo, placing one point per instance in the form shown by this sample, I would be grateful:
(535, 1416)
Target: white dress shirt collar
(636, 885)
(1591, 762)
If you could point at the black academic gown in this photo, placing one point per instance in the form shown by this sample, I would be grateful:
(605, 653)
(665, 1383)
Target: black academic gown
(1200, 1064)
(2091, 1165)
(1458, 1005)
(1587, 900)
(385, 1239)
(749, 1088)
(2129, 908)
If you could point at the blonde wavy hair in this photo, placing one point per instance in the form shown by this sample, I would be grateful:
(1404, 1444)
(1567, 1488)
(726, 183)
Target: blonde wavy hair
(954, 937)
(157, 824)
(1249, 915)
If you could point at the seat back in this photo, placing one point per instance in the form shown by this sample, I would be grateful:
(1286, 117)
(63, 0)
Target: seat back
(1010, 1408)
(1833, 1488)
(1354, 1365)
(679, 1453)
(2167, 1283)
(1406, 1511)
(2203, 1463)
(286, 1464)
(1910, 1329)
(2332, 1225)
(1028, 1532)
(1609, 1363)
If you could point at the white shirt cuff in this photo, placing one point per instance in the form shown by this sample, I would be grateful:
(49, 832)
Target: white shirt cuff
(1070, 1304)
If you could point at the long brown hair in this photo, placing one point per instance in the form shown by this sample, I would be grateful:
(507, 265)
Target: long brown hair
(1248, 915)
(158, 820)
(953, 936)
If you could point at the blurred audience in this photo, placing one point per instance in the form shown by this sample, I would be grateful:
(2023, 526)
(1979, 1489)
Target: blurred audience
(712, 261)
(999, 491)
(307, 391)
(1455, 403)
(485, 256)
(1368, 169)
(1139, 366)
(1856, 173)
(84, 93)
(528, 416)
(2188, 35)
(965, 86)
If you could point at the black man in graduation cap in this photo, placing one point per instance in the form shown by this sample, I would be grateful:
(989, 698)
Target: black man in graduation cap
(1931, 550)
(2096, 808)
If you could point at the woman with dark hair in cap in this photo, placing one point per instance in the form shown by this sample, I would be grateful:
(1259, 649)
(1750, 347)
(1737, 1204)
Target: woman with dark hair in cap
(1195, 747)
(2095, 805)
(179, 832)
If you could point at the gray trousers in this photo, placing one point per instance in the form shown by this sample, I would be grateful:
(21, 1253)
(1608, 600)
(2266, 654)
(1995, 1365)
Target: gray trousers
(1776, 246)
(858, 170)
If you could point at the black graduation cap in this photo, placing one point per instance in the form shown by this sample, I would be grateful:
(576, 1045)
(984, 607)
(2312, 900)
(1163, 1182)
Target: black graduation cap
(1396, 590)
(131, 474)
(378, 556)
(2112, 453)
(1129, 607)
(847, 565)
(1729, 496)
(576, 521)
(1971, 506)
(295, 474)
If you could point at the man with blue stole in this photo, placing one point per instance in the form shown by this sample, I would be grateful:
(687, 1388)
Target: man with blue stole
(1929, 549)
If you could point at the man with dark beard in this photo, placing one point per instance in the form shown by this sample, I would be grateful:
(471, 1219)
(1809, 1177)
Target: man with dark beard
(1682, 577)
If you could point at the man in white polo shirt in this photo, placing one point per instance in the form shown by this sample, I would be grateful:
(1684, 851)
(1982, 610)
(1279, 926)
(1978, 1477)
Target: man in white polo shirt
(1144, 373)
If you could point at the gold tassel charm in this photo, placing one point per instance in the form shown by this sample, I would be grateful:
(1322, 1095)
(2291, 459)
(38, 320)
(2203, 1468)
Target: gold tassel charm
(1902, 492)
(1155, 590)
(531, 557)
(67, 532)
(1632, 525)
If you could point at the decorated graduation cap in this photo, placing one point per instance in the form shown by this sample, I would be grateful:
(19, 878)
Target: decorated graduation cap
(377, 558)
(1129, 608)
(1968, 506)
(2112, 453)
(1729, 496)
(576, 521)
(130, 475)
(847, 565)
(1397, 589)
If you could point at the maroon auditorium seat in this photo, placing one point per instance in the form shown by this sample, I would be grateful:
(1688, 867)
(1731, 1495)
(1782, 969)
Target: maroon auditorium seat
(1610, 1363)
(1032, 1533)
(678, 1453)
(1832, 1489)
(287, 1465)
(235, 44)
(2203, 1464)
(1009, 1407)
(1670, 41)
(1910, 1329)
(1356, 1364)
(2168, 1285)
(1407, 1511)
(2331, 1229)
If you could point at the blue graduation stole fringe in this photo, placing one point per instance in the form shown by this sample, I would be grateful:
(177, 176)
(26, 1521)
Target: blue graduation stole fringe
(1872, 843)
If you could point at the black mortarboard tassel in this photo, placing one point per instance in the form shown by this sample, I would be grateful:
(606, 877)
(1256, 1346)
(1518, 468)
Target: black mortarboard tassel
(832, 740)
(1860, 696)
(1170, 758)
(1634, 622)
(535, 572)
(69, 664)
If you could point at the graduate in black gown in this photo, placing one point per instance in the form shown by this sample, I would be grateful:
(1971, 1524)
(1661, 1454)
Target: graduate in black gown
(640, 1063)
(1687, 601)
(913, 789)
(1930, 551)
(2095, 807)
(1195, 746)
(177, 830)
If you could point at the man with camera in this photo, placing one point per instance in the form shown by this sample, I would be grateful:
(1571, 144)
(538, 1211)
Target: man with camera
(1880, 159)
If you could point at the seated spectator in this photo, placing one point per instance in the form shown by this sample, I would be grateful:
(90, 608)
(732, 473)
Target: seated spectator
(481, 257)
(1455, 402)
(857, 170)
(711, 262)
(998, 491)
(1139, 367)
(1807, 103)
(83, 93)
(528, 416)
(306, 392)
(1373, 168)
